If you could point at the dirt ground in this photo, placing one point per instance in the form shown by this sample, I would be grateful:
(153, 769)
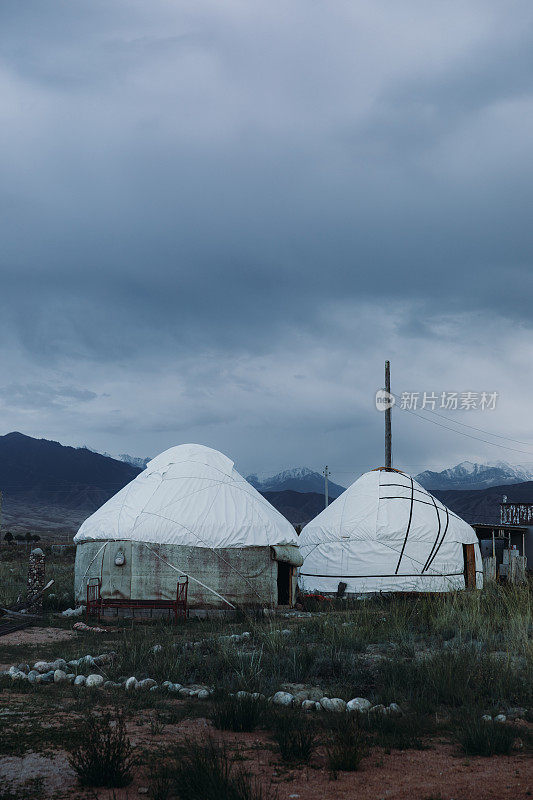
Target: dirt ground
(34, 636)
(437, 773)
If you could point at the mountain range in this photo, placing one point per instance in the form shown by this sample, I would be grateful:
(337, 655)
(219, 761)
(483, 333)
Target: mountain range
(469, 475)
(299, 479)
(50, 489)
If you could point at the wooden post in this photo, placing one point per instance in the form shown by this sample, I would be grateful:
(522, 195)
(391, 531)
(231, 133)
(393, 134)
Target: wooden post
(388, 427)
(326, 490)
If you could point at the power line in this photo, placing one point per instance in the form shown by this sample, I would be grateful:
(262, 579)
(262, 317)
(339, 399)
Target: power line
(464, 424)
(468, 435)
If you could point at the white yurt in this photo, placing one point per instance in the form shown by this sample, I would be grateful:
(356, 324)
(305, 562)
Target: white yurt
(189, 513)
(386, 533)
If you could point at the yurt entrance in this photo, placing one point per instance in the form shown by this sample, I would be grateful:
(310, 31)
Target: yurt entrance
(285, 572)
(286, 559)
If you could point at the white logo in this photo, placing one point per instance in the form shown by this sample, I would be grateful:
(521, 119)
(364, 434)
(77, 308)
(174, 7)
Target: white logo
(384, 400)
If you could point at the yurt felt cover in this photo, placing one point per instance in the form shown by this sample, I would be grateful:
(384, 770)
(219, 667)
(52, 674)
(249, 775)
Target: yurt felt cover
(386, 533)
(189, 495)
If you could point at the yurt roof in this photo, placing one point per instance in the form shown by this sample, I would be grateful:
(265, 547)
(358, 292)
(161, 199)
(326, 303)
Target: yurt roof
(189, 495)
(383, 510)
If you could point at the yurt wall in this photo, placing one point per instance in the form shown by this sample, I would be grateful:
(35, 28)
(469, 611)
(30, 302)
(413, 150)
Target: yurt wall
(150, 571)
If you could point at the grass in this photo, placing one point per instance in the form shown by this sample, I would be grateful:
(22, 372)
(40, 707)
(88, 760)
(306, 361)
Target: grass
(347, 747)
(238, 713)
(205, 771)
(478, 737)
(295, 735)
(433, 654)
(397, 733)
(105, 756)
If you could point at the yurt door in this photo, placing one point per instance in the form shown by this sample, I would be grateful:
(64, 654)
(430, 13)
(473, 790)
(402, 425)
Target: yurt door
(469, 555)
(284, 583)
(116, 570)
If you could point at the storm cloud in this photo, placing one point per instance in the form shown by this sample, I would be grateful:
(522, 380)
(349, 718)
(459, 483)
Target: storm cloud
(218, 220)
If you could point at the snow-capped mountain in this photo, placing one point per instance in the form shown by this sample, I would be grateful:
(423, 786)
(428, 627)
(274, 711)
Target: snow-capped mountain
(298, 479)
(469, 475)
(135, 461)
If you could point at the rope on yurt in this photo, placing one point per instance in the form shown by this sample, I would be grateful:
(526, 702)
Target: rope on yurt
(90, 563)
(436, 539)
(446, 575)
(212, 549)
(441, 541)
(408, 525)
(186, 575)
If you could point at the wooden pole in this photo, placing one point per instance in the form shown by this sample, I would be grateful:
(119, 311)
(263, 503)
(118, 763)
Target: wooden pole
(388, 426)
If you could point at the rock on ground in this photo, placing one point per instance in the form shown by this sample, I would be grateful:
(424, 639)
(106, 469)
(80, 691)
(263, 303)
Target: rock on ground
(94, 681)
(358, 704)
(283, 699)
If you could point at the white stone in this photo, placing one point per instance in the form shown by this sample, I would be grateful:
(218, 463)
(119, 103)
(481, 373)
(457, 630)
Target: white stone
(184, 692)
(41, 666)
(379, 709)
(318, 707)
(147, 683)
(286, 632)
(166, 684)
(358, 704)
(175, 687)
(308, 705)
(60, 676)
(486, 718)
(131, 684)
(257, 696)
(79, 680)
(18, 675)
(203, 694)
(326, 704)
(500, 718)
(243, 694)
(338, 704)
(394, 709)
(72, 612)
(157, 648)
(94, 681)
(283, 699)
(154, 688)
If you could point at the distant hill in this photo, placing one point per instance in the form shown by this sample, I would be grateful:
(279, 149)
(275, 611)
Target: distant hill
(483, 505)
(469, 475)
(47, 487)
(299, 479)
(298, 507)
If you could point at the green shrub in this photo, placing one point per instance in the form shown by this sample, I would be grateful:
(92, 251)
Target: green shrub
(295, 735)
(347, 746)
(105, 756)
(478, 737)
(204, 771)
(238, 713)
(396, 733)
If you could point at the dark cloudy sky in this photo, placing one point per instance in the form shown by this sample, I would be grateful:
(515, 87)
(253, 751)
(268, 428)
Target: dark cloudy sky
(219, 218)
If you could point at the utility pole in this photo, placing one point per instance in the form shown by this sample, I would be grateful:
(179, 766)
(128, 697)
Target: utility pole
(325, 473)
(388, 426)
